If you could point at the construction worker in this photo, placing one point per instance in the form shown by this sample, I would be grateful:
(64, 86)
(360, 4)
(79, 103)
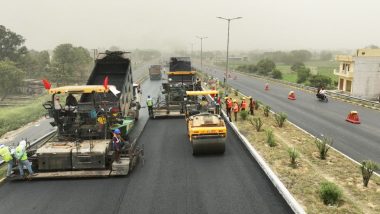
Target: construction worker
(217, 105)
(117, 144)
(6, 155)
(149, 103)
(229, 106)
(252, 105)
(204, 104)
(22, 159)
(243, 104)
(236, 109)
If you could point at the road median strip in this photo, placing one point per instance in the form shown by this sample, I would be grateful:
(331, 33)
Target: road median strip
(303, 182)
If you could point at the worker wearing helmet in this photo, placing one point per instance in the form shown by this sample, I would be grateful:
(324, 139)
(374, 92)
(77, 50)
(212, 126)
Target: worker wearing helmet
(22, 159)
(117, 144)
(149, 103)
(229, 106)
(243, 104)
(6, 155)
(236, 109)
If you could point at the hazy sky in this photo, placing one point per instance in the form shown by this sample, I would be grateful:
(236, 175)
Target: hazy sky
(174, 24)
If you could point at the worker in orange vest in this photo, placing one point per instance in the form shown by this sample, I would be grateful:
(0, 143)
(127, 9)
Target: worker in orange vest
(235, 109)
(243, 104)
(229, 106)
(252, 105)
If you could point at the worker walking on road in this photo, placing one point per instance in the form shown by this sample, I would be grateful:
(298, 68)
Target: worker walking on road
(149, 103)
(252, 105)
(22, 159)
(243, 104)
(6, 155)
(236, 109)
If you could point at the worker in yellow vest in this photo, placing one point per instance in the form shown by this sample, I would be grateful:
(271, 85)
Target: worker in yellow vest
(149, 103)
(6, 155)
(22, 159)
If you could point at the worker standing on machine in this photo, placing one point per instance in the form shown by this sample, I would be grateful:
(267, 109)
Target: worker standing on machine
(236, 109)
(117, 144)
(243, 104)
(22, 159)
(149, 103)
(6, 155)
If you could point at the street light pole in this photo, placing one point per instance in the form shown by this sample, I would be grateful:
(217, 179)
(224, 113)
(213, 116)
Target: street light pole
(228, 42)
(201, 38)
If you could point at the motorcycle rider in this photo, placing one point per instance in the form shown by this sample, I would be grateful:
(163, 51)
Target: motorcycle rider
(321, 93)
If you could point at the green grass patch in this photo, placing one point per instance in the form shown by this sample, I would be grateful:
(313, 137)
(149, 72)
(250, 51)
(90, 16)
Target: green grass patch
(291, 77)
(12, 118)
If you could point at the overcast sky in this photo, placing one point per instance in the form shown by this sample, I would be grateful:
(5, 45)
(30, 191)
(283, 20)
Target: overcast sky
(174, 24)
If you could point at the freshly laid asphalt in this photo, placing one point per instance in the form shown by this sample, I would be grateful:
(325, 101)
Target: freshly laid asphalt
(359, 142)
(172, 180)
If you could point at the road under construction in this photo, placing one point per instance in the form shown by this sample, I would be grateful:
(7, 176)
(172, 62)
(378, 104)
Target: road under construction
(171, 180)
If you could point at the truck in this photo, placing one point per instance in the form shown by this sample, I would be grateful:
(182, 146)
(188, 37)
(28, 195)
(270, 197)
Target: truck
(155, 72)
(82, 145)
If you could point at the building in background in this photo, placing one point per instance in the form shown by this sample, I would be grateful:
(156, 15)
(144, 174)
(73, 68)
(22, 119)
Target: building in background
(359, 75)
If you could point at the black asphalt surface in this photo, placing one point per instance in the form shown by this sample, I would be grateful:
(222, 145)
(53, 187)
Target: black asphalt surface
(360, 142)
(170, 181)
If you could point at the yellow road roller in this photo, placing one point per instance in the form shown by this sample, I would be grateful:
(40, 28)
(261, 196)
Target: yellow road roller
(206, 130)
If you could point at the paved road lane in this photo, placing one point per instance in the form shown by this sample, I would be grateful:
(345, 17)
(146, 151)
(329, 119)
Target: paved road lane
(360, 142)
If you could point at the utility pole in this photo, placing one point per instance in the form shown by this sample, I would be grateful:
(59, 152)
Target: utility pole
(228, 43)
(201, 38)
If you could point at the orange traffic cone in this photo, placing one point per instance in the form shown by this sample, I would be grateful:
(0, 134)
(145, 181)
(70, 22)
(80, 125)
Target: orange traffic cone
(266, 87)
(292, 95)
(353, 117)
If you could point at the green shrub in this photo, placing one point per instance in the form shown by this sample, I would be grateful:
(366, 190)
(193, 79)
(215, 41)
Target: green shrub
(243, 114)
(323, 146)
(293, 155)
(280, 118)
(258, 103)
(270, 138)
(221, 93)
(236, 92)
(368, 167)
(330, 193)
(257, 123)
(266, 110)
(12, 118)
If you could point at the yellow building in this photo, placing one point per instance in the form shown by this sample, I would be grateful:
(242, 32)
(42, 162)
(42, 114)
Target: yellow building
(345, 72)
(360, 74)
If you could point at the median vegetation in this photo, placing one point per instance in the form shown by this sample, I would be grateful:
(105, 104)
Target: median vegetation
(321, 179)
(12, 118)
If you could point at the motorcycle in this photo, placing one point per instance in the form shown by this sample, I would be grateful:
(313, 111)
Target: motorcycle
(322, 98)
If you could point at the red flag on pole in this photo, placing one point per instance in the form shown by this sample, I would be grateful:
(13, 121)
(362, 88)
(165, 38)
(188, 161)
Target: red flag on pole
(105, 83)
(46, 83)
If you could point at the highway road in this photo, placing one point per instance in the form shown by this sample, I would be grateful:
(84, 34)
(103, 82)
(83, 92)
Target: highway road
(360, 142)
(171, 181)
